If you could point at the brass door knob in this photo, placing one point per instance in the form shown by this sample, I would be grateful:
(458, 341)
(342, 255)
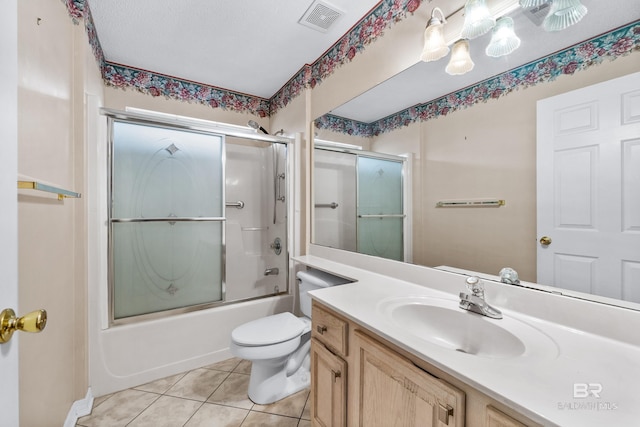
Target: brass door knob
(545, 240)
(31, 322)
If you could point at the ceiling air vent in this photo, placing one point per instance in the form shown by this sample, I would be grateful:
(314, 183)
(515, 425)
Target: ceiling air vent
(537, 14)
(320, 16)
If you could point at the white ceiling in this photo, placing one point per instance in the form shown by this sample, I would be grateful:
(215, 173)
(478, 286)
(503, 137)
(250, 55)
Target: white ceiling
(256, 46)
(248, 46)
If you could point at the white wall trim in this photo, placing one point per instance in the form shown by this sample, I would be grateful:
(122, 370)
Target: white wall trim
(80, 408)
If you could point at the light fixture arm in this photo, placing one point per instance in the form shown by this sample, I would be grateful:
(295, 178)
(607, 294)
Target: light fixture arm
(436, 20)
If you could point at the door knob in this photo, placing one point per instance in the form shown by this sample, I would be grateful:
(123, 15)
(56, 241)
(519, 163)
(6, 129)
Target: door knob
(545, 240)
(30, 322)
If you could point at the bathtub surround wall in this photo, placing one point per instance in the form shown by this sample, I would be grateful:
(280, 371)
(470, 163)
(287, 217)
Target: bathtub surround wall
(251, 232)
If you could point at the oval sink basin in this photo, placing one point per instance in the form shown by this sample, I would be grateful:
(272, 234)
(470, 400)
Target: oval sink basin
(442, 322)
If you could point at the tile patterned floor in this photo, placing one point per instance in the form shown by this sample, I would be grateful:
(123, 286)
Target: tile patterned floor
(213, 396)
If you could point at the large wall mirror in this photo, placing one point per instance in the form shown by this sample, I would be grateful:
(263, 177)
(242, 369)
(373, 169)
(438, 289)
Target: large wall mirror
(474, 182)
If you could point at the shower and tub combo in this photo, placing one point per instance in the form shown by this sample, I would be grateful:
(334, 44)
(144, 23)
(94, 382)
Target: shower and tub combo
(197, 241)
(197, 219)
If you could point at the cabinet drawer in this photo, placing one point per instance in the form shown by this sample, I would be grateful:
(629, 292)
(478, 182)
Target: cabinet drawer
(330, 330)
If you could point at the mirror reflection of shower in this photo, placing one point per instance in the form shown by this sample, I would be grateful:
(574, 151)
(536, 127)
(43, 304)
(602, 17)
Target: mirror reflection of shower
(361, 202)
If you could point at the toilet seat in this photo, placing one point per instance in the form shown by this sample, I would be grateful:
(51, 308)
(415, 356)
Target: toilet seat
(265, 352)
(269, 330)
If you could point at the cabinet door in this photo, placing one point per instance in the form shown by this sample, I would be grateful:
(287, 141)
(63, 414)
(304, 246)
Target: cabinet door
(328, 387)
(496, 418)
(394, 392)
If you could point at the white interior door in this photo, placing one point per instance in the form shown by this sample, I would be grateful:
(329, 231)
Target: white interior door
(8, 205)
(589, 189)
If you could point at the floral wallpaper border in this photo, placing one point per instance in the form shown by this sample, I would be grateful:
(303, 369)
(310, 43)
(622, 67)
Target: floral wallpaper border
(368, 29)
(579, 57)
(372, 26)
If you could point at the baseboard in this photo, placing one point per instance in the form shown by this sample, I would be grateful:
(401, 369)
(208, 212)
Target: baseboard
(80, 408)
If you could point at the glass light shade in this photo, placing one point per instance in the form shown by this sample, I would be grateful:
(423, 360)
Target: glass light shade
(435, 46)
(477, 19)
(563, 14)
(503, 39)
(460, 61)
(526, 4)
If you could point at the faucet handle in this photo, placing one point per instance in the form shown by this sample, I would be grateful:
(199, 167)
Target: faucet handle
(475, 286)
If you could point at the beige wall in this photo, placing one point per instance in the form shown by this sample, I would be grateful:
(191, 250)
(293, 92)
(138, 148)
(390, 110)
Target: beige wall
(55, 67)
(487, 150)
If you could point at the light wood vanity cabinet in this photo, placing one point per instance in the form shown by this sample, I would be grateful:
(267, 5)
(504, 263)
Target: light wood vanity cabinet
(394, 392)
(329, 348)
(329, 387)
(359, 379)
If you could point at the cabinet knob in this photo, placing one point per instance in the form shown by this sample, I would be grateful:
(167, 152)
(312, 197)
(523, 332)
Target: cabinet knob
(335, 375)
(321, 329)
(444, 412)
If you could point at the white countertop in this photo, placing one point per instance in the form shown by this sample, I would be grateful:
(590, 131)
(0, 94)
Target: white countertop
(540, 386)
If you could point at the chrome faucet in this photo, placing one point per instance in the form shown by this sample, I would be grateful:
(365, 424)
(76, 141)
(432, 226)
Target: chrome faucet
(475, 301)
(272, 271)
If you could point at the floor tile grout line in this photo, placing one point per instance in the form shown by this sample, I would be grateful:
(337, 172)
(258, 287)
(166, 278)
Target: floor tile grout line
(148, 406)
(194, 412)
(228, 372)
(197, 400)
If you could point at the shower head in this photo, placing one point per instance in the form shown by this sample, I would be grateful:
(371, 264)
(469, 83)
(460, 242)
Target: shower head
(254, 125)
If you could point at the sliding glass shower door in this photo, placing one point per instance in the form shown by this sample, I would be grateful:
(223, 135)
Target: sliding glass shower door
(166, 219)
(359, 202)
(380, 208)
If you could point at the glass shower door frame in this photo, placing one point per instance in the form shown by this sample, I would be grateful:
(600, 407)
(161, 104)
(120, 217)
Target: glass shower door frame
(111, 221)
(402, 216)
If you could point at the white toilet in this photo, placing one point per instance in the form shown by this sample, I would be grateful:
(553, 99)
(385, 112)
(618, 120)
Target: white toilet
(278, 345)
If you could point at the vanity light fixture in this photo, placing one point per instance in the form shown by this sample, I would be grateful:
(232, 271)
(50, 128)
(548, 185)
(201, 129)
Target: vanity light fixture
(563, 14)
(435, 46)
(503, 39)
(460, 62)
(477, 19)
(526, 4)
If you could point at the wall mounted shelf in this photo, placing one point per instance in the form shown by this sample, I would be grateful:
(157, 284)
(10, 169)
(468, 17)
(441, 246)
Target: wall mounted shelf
(35, 185)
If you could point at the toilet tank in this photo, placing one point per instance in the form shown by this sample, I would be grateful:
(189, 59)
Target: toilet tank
(311, 280)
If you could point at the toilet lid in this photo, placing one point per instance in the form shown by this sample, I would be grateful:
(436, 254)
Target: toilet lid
(268, 330)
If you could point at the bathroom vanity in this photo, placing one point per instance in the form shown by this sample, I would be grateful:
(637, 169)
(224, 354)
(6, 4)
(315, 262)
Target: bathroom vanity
(387, 351)
(360, 377)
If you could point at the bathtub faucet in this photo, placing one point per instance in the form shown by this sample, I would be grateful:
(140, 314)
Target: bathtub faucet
(272, 271)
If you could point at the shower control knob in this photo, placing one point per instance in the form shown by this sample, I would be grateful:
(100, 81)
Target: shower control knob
(276, 246)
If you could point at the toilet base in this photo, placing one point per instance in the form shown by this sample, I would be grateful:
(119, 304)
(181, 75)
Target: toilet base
(269, 381)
